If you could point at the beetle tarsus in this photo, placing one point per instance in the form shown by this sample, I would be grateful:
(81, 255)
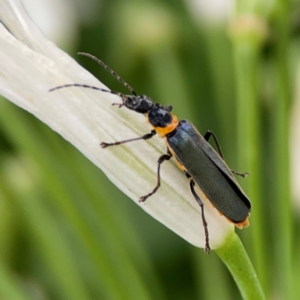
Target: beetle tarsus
(144, 198)
(207, 248)
(104, 145)
(244, 175)
(118, 104)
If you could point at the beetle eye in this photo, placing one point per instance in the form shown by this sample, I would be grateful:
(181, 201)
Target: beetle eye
(169, 108)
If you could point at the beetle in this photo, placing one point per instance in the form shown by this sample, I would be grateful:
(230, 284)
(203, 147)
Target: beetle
(202, 165)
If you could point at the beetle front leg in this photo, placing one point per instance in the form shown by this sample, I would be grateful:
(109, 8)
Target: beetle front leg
(144, 137)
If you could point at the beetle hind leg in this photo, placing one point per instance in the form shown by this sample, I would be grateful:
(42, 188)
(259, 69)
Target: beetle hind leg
(199, 201)
(207, 135)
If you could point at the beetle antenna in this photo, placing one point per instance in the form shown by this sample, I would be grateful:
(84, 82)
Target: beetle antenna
(93, 88)
(85, 86)
(102, 64)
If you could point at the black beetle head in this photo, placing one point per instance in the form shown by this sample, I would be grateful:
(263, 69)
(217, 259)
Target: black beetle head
(141, 104)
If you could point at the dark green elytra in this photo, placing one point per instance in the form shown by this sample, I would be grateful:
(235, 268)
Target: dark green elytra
(209, 171)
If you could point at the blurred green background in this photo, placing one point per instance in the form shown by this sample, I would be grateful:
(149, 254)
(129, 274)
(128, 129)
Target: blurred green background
(67, 233)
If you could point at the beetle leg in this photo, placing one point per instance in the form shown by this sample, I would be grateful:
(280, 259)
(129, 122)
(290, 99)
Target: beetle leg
(144, 137)
(197, 198)
(160, 161)
(244, 175)
(207, 135)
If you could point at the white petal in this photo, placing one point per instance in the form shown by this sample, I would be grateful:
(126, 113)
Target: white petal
(30, 65)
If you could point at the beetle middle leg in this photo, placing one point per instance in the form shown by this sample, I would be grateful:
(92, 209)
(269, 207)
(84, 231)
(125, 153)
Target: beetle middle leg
(159, 162)
(199, 201)
(207, 135)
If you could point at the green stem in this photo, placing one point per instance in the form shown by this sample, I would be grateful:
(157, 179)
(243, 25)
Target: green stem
(249, 146)
(280, 146)
(249, 32)
(237, 261)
